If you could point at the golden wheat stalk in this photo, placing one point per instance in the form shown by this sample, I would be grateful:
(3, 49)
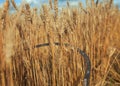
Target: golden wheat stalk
(2, 61)
(56, 8)
(110, 3)
(28, 17)
(4, 14)
(14, 4)
(97, 2)
(5, 9)
(68, 4)
(6, 5)
(50, 3)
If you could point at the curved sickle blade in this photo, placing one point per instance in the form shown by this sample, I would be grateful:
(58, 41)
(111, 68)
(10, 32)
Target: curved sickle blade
(86, 61)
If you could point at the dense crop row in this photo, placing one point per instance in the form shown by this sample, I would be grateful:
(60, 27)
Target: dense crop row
(94, 29)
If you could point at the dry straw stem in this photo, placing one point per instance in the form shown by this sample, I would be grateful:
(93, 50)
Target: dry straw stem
(92, 3)
(110, 3)
(3, 17)
(97, 1)
(68, 4)
(9, 74)
(9, 39)
(3, 20)
(50, 3)
(108, 69)
(6, 6)
(28, 17)
(56, 8)
(2, 60)
(14, 4)
(1, 44)
(9, 43)
(50, 39)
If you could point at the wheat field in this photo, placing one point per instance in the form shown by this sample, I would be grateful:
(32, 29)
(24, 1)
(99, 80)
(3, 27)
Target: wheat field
(95, 29)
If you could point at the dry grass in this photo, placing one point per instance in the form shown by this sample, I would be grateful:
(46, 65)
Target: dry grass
(94, 29)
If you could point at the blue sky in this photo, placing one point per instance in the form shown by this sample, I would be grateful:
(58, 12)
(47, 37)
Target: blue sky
(37, 3)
